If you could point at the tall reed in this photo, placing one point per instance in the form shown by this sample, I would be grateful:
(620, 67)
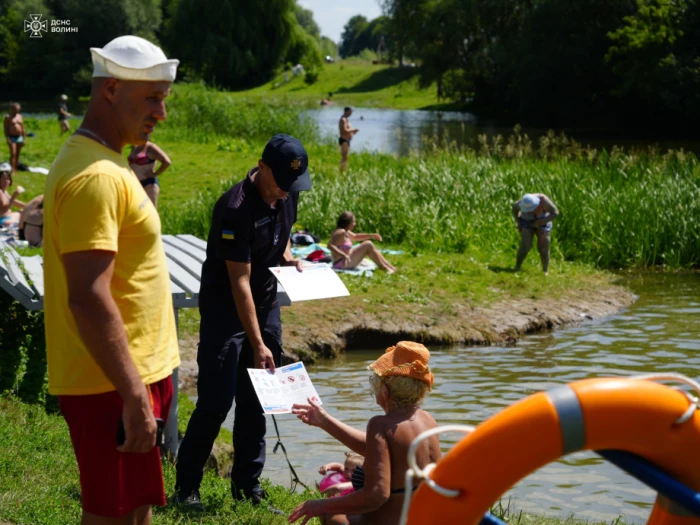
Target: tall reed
(618, 208)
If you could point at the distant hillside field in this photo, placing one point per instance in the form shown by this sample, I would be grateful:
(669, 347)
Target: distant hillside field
(355, 82)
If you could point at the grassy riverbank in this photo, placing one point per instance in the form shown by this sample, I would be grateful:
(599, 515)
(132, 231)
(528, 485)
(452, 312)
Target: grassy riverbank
(448, 210)
(354, 82)
(39, 482)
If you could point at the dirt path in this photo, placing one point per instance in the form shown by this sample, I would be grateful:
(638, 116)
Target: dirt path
(315, 329)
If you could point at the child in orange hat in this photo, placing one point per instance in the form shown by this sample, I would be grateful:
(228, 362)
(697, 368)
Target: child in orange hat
(400, 379)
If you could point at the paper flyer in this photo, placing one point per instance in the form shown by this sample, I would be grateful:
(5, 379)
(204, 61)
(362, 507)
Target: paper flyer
(289, 384)
(317, 281)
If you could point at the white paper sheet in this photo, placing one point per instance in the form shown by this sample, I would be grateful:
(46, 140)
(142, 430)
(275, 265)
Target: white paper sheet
(279, 391)
(317, 281)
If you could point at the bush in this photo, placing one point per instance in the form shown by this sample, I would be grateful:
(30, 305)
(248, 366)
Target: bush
(311, 76)
(23, 353)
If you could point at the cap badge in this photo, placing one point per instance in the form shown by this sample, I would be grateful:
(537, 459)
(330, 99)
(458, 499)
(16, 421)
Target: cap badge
(296, 164)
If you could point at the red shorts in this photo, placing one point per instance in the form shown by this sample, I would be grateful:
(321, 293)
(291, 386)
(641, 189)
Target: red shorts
(114, 484)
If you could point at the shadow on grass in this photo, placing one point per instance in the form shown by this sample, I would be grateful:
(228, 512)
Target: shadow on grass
(381, 80)
(501, 269)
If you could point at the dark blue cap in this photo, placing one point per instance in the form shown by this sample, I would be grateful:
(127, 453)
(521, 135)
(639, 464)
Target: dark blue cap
(288, 161)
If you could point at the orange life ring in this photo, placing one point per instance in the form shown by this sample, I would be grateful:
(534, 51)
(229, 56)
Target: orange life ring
(633, 415)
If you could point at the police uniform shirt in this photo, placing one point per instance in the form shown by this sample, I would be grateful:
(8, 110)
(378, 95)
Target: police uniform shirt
(244, 229)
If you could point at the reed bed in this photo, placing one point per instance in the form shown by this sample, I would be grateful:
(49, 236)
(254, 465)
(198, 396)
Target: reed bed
(619, 208)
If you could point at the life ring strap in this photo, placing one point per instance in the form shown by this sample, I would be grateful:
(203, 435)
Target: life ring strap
(573, 427)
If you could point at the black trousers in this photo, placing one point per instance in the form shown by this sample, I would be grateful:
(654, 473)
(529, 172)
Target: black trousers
(223, 377)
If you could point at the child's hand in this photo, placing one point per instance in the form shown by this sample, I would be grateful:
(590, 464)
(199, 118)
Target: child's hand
(322, 470)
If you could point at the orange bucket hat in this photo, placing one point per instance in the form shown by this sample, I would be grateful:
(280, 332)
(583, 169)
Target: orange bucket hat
(407, 359)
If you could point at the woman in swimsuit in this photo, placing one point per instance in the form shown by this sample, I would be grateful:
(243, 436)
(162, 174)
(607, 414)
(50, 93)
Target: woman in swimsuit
(7, 201)
(142, 160)
(344, 256)
(400, 379)
(533, 216)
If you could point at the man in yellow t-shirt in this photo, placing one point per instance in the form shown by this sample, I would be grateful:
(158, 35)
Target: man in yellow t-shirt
(110, 329)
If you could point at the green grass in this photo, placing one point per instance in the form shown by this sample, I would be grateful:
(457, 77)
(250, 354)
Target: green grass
(39, 482)
(354, 82)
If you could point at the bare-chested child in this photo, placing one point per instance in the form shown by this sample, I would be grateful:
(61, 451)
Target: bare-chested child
(400, 379)
(15, 134)
(347, 132)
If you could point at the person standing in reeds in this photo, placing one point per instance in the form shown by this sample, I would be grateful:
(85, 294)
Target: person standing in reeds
(533, 216)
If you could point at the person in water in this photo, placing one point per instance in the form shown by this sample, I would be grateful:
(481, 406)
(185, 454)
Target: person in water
(399, 380)
(344, 256)
(533, 216)
(347, 132)
(15, 134)
(142, 160)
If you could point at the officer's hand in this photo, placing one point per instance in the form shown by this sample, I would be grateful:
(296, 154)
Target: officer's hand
(296, 263)
(263, 359)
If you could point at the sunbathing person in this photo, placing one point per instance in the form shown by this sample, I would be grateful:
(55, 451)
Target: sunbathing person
(7, 201)
(344, 255)
(399, 380)
(31, 222)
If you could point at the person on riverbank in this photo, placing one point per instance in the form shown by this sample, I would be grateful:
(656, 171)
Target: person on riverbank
(346, 257)
(240, 317)
(15, 134)
(142, 160)
(110, 328)
(533, 216)
(7, 200)
(347, 132)
(31, 222)
(400, 379)
(63, 114)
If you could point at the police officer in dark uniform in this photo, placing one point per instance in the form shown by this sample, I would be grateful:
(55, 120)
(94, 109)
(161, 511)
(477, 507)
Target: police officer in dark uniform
(240, 317)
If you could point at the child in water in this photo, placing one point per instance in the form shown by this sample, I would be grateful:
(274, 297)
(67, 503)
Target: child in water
(337, 477)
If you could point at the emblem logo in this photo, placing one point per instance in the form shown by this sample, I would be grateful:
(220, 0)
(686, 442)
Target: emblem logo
(36, 25)
(296, 164)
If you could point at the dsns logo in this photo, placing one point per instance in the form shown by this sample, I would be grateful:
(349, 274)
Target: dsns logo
(36, 25)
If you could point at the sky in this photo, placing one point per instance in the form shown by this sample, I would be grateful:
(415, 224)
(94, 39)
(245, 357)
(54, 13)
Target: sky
(332, 15)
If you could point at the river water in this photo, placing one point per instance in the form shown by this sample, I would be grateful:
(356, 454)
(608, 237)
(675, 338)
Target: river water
(399, 131)
(659, 332)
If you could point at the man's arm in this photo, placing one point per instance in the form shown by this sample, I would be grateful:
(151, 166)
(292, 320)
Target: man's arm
(21, 123)
(89, 274)
(239, 276)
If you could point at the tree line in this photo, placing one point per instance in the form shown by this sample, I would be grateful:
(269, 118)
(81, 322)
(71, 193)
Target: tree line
(234, 44)
(599, 63)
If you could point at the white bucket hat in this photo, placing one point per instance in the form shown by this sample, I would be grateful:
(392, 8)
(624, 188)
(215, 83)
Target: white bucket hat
(5, 166)
(529, 202)
(133, 58)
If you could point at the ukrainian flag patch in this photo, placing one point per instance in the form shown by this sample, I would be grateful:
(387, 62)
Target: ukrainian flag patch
(227, 234)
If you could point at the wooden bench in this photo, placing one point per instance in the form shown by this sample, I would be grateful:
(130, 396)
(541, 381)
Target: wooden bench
(23, 278)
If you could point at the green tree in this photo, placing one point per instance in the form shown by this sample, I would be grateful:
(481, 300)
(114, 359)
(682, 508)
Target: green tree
(328, 47)
(235, 44)
(405, 17)
(305, 17)
(656, 56)
(352, 38)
